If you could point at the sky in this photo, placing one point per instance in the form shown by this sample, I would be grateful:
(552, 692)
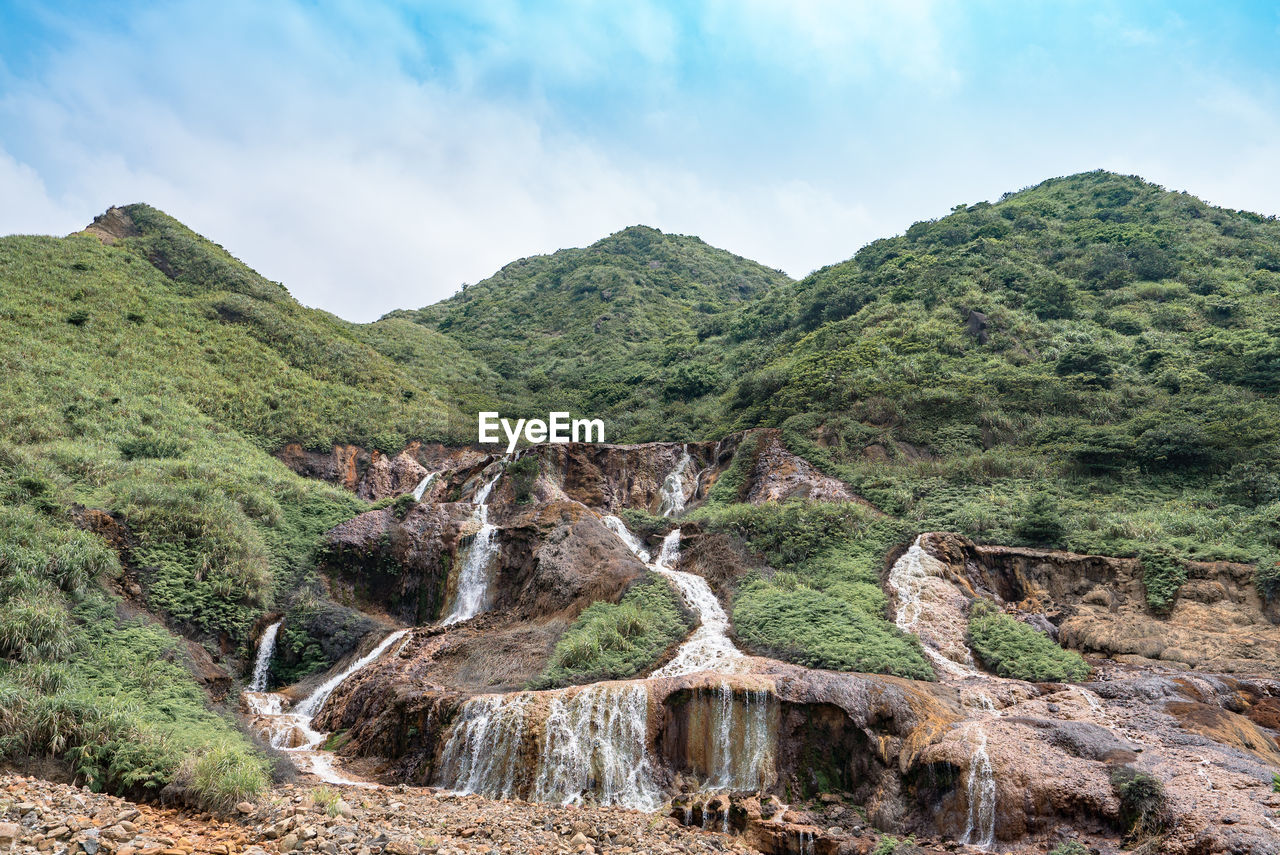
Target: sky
(374, 156)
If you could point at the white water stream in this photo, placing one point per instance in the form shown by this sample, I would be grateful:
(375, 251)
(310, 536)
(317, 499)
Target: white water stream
(421, 490)
(709, 647)
(472, 593)
(908, 578)
(672, 504)
(291, 731)
(262, 664)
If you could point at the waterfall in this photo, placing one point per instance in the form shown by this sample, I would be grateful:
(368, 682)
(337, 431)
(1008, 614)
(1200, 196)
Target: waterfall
(266, 649)
(482, 754)
(740, 739)
(313, 702)
(907, 578)
(596, 741)
(980, 830)
(709, 648)
(624, 534)
(292, 731)
(672, 503)
(473, 581)
(421, 490)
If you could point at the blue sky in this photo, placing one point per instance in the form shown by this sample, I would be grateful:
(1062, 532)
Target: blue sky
(374, 156)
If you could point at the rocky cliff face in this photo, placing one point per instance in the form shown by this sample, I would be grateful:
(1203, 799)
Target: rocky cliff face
(1189, 698)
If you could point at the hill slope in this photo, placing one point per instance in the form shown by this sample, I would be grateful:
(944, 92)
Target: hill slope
(1094, 337)
(150, 377)
(616, 329)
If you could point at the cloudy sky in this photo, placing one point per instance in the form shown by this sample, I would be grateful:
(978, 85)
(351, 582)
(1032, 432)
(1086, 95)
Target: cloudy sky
(376, 156)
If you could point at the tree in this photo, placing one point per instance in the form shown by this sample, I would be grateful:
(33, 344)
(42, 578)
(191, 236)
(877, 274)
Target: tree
(1040, 522)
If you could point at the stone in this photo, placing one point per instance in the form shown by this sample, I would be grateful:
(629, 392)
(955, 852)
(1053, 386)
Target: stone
(289, 843)
(402, 846)
(245, 808)
(9, 832)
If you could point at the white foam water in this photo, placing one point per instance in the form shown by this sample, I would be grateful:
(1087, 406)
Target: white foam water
(595, 742)
(292, 731)
(421, 490)
(471, 596)
(266, 650)
(672, 502)
(980, 829)
(482, 754)
(709, 647)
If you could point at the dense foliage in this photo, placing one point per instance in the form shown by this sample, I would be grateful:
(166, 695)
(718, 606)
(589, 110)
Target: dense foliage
(615, 641)
(820, 604)
(1010, 648)
(617, 330)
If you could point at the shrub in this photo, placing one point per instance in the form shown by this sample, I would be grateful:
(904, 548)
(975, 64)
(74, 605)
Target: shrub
(615, 641)
(1143, 806)
(402, 505)
(1267, 578)
(224, 775)
(1070, 847)
(818, 630)
(1040, 522)
(524, 475)
(1013, 649)
(1162, 576)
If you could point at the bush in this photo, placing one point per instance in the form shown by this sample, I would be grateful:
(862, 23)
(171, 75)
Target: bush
(524, 475)
(1267, 578)
(1162, 576)
(1010, 648)
(818, 630)
(1070, 847)
(1040, 522)
(611, 641)
(1143, 807)
(224, 775)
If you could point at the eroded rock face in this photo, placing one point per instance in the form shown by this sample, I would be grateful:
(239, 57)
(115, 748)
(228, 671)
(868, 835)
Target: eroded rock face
(779, 475)
(373, 475)
(1218, 622)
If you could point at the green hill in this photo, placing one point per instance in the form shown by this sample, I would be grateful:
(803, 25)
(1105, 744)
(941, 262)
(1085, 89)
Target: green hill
(619, 329)
(151, 378)
(1094, 337)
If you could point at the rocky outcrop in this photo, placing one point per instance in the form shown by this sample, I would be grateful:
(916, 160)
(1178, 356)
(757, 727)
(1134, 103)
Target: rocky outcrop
(112, 225)
(779, 475)
(1097, 603)
(374, 475)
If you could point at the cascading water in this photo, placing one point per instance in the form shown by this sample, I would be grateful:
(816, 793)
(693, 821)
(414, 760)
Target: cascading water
(482, 754)
(672, 503)
(596, 742)
(980, 830)
(908, 579)
(709, 648)
(593, 746)
(262, 664)
(473, 580)
(421, 490)
(292, 731)
(740, 753)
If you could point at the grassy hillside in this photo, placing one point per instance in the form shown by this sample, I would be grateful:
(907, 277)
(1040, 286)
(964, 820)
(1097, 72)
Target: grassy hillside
(151, 378)
(1093, 363)
(618, 330)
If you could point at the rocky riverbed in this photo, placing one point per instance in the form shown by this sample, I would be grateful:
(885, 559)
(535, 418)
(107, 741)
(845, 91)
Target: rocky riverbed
(39, 816)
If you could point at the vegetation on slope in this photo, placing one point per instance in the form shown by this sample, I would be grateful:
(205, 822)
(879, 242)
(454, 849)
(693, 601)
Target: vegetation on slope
(151, 378)
(616, 641)
(1010, 648)
(1095, 338)
(618, 330)
(820, 604)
